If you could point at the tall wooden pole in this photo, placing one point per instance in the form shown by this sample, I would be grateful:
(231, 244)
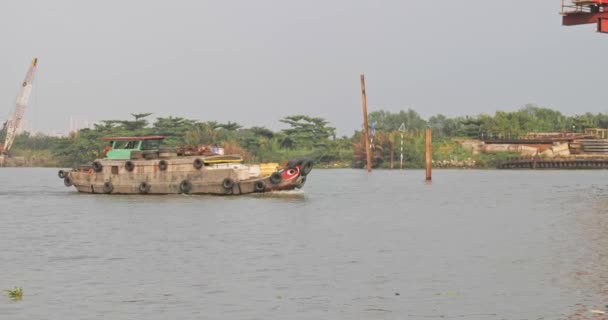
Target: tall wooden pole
(429, 153)
(367, 149)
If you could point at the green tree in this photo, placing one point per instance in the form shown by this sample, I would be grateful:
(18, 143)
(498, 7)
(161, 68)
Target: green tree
(174, 128)
(443, 126)
(308, 132)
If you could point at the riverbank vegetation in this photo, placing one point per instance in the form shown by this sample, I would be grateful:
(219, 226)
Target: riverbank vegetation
(314, 137)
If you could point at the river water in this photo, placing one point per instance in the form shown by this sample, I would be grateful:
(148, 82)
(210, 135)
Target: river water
(472, 245)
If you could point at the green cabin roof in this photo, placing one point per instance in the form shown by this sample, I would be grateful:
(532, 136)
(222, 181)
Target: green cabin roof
(122, 146)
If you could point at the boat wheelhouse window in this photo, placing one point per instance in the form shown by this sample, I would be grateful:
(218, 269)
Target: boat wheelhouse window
(125, 144)
(150, 144)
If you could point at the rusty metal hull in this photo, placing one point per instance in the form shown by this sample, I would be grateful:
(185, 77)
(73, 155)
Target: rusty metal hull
(180, 175)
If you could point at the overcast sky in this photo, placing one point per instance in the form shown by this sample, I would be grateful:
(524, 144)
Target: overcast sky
(255, 62)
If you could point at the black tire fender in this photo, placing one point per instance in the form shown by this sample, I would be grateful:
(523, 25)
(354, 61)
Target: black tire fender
(163, 165)
(108, 187)
(300, 183)
(228, 184)
(198, 163)
(61, 174)
(276, 177)
(294, 163)
(185, 186)
(67, 181)
(97, 166)
(259, 186)
(129, 166)
(306, 167)
(144, 187)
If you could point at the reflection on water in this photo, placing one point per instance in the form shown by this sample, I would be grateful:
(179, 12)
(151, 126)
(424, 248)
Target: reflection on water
(349, 245)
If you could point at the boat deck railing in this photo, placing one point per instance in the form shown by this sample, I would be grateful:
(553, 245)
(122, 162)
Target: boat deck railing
(582, 6)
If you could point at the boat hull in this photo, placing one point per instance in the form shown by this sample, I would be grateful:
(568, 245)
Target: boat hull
(180, 176)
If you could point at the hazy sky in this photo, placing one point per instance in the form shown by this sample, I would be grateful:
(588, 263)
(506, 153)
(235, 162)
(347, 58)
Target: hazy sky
(255, 62)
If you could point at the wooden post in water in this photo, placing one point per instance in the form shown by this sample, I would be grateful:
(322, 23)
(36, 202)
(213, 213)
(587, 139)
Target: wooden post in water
(367, 148)
(429, 154)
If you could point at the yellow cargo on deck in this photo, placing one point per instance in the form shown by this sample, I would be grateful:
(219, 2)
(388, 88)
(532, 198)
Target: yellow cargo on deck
(267, 169)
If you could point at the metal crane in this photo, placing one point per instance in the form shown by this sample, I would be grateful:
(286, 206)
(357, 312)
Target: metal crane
(15, 120)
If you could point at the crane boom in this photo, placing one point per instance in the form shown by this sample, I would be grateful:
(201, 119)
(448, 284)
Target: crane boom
(22, 99)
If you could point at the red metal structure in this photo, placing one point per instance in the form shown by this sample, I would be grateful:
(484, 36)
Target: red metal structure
(133, 138)
(585, 12)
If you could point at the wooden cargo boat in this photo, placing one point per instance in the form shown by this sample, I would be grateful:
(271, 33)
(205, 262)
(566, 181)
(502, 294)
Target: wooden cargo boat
(137, 165)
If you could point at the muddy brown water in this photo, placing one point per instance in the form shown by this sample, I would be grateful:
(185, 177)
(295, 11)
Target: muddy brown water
(471, 245)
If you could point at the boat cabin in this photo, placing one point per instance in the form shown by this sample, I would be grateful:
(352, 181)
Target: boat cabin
(119, 148)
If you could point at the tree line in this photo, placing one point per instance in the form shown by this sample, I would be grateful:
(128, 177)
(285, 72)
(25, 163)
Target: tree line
(314, 137)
